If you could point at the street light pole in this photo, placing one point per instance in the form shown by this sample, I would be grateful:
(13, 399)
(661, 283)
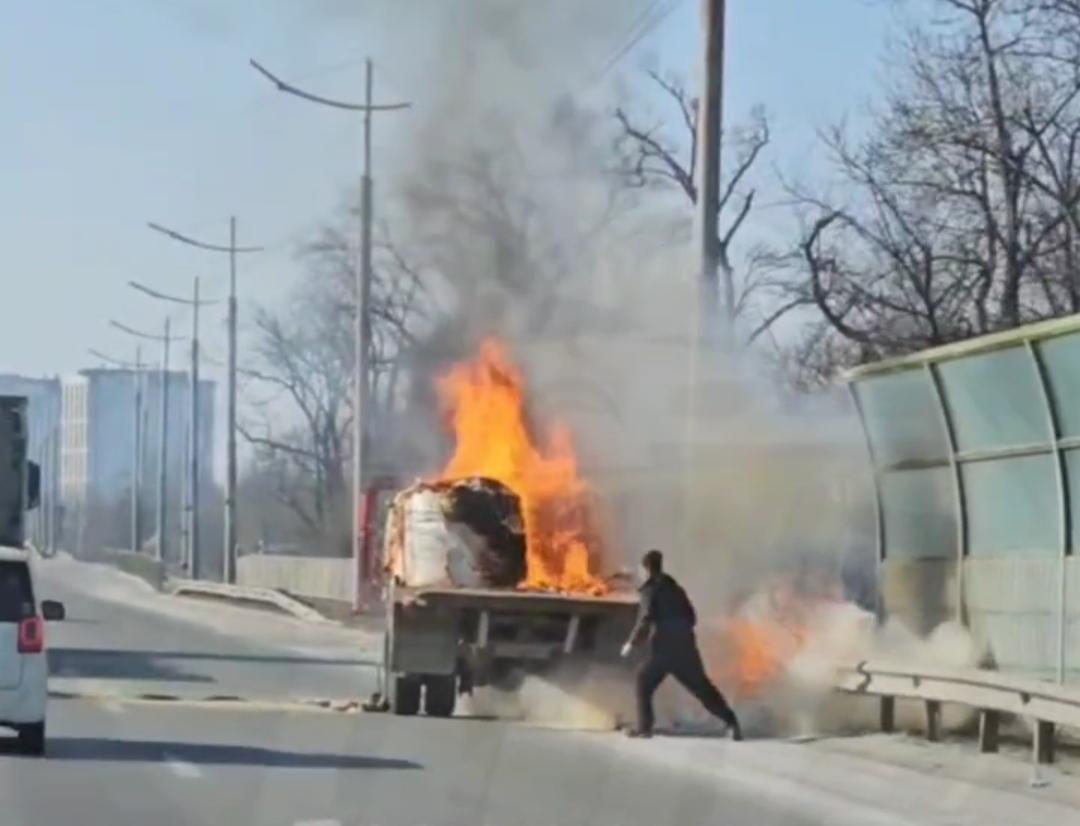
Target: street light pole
(136, 459)
(163, 452)
(160, 551)
(362, 322)
(362, 349)
(138, 431)
(230, 451)
(193, 531)
(230, 538)
(191, 436)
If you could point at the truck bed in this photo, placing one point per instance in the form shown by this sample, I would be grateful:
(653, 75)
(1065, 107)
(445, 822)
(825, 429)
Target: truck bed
(501, 599)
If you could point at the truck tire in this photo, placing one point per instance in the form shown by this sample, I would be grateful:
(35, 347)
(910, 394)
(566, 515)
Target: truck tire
(404, 694)
(441, 694)
(32, 739)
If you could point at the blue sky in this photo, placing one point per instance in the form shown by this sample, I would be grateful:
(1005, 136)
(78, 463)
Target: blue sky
(122, 111)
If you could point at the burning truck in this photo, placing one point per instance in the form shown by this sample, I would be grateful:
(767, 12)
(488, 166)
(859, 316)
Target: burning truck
(497, 568)
(494, 566)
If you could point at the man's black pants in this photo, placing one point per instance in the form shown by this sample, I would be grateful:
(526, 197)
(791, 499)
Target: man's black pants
(677, 654)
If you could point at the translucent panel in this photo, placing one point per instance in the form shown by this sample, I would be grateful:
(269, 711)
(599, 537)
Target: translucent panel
(919, 510)
(1012, 506)
(901, 414)
(1061, 358)
(995, 400)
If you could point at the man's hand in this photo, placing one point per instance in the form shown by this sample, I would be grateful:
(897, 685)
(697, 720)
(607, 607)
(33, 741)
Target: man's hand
(626, 649)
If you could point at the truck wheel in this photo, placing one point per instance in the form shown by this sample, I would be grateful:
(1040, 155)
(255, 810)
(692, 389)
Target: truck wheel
(32, 738)
(404, 694)
(441, 695)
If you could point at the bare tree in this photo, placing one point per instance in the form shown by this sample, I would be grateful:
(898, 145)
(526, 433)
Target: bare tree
(303, 355)
(649, 156)
(957, 213)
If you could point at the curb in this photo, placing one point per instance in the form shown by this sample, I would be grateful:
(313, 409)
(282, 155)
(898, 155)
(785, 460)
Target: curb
(243, 593)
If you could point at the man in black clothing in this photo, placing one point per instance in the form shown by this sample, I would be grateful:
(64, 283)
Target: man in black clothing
(665, 611)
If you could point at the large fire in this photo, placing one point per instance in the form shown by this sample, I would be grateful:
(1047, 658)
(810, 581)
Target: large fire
(485, 402)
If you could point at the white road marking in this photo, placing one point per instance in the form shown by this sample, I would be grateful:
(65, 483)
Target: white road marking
(317, 823)
(112, 706)
(181, 768)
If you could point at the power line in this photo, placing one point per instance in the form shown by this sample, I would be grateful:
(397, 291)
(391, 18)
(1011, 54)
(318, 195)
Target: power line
(649, 20)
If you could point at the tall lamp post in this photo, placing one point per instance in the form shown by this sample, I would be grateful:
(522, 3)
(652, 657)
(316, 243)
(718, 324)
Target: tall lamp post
(163, 422)
(230, 459)
(137, 441)
(194, 555)
(362, 326)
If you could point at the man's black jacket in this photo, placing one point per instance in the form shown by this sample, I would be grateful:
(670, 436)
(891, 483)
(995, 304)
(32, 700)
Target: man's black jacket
(664, 609)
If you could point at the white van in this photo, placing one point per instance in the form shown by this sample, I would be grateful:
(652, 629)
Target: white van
(24, 671)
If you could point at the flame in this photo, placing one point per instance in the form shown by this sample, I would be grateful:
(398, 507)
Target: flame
(485, 400)
(764, 637)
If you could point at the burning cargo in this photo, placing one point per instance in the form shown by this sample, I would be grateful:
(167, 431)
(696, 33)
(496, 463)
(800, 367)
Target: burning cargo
(467, 533)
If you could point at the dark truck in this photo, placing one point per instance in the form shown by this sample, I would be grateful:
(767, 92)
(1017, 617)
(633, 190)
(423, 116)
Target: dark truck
(20, 479)
(443, 638)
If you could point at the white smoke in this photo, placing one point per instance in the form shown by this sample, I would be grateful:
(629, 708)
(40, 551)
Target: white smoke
(506, 193)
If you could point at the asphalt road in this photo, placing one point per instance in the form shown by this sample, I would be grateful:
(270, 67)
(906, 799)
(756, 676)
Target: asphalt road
(114, 762)
(122, 762)
(123, 644)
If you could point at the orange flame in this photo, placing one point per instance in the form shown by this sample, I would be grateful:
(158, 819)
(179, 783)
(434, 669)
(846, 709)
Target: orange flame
(485, 401)
(761, 651)
(760, 644)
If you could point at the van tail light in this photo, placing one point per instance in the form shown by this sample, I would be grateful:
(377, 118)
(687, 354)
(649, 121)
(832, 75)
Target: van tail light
(31, 636)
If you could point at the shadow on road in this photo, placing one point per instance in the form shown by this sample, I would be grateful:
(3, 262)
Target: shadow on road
(273, 659)
(118, 665)
(170, 666)
(107, 749)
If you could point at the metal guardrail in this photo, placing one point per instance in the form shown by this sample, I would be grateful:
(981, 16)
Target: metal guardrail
(992, 693)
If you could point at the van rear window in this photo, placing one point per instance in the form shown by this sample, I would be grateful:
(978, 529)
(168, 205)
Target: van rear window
(16, 595)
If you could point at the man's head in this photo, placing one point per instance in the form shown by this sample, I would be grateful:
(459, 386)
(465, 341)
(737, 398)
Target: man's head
(652, 563)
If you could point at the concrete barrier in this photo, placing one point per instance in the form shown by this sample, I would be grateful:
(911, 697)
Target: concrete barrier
(143, 566)
(268, 597)
(315, 578)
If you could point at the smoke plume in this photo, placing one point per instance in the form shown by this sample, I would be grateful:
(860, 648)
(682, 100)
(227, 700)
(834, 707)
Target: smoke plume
(506, 190)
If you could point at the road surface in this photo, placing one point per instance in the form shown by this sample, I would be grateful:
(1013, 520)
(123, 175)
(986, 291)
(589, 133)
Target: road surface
(122, 639)
(114, 762)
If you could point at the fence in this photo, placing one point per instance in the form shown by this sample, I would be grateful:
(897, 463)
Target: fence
(318, 578)
(976, 454)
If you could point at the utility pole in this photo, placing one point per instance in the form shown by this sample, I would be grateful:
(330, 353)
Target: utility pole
(230, 538)
(706, 322)
(362, 321)
(709, 140)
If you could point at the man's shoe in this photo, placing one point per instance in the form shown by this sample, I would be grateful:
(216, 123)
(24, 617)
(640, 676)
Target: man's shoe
(637, 732)
(736, 732)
